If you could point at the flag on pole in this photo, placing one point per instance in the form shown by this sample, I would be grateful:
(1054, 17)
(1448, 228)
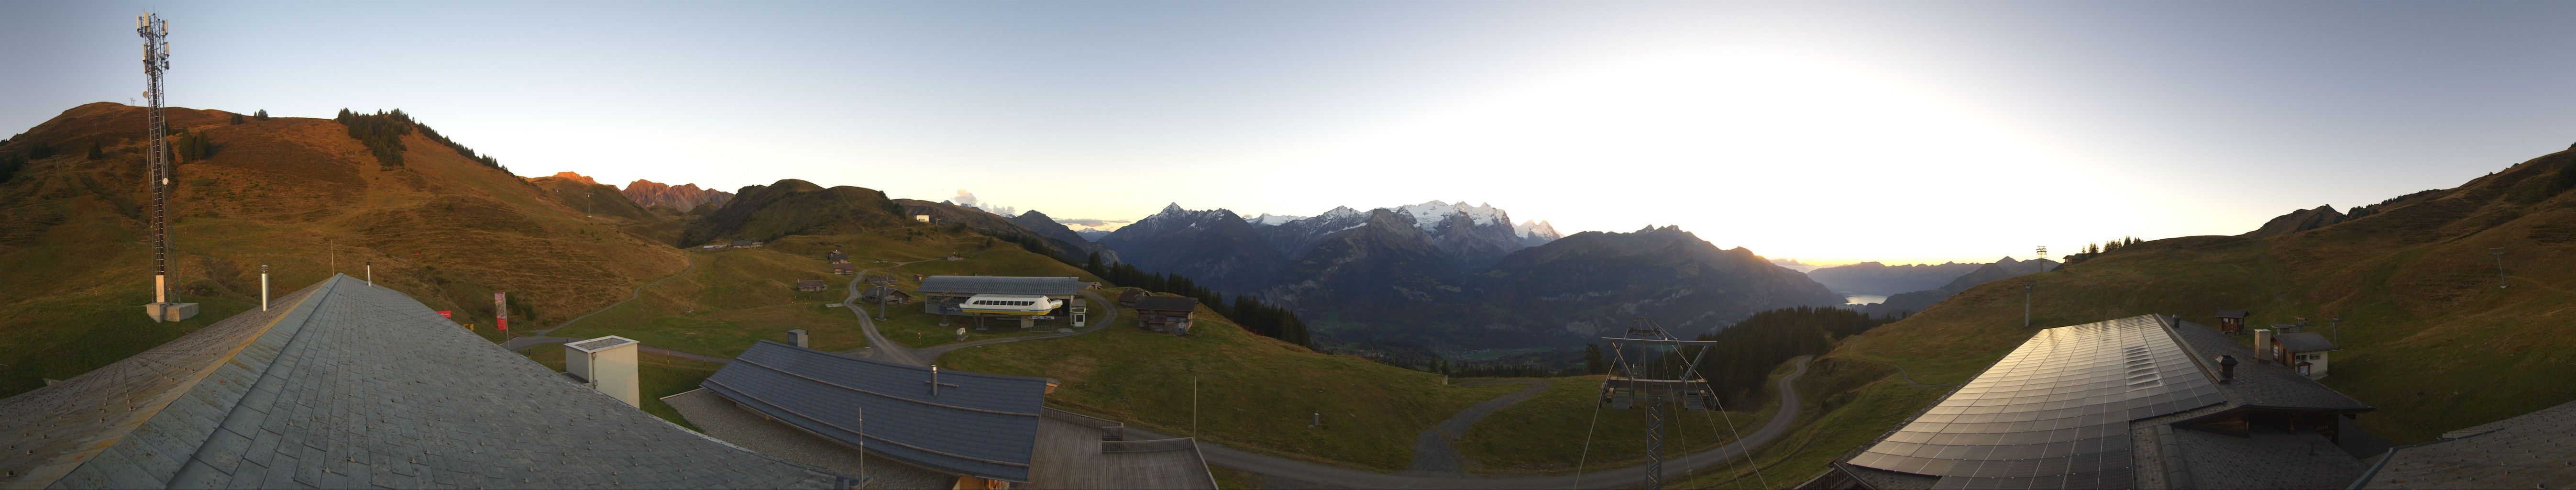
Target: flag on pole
(501, 310)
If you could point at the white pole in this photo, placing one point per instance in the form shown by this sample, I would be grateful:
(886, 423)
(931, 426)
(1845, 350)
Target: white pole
(263, 287)
(371, 275)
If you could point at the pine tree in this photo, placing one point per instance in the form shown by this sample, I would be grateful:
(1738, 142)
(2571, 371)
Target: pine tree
(261, 115)
(1592, 361)
(237, 119)
(97, 150)
(1093, 265)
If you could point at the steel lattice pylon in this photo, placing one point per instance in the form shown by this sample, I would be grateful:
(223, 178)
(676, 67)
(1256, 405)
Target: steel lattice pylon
(1636, 382)
(156, 58)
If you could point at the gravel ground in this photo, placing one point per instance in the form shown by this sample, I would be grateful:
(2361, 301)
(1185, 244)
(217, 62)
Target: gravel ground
(724, 421)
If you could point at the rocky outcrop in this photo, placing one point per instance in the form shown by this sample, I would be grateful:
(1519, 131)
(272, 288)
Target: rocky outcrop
(2298, 221)
(1214, 248)
(683, 197)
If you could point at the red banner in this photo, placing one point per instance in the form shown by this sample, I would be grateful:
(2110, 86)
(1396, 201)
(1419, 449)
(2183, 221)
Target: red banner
(446, 314)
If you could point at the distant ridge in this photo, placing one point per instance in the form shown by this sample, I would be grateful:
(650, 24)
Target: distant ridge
(682, 198)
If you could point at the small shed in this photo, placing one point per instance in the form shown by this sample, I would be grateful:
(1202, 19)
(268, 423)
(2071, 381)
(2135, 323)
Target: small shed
(1128, 296)
(2304, 352)
(811, 285)
(844, 268)
(1166, 314)
(836, 257)
(2231, 321)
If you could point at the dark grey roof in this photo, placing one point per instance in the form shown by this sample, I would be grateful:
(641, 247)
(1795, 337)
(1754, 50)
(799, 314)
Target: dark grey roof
(2262, 384)
(2054, 413)
(964, 285)
(1167, 303)
(347, 385)
(986, 425)
(2305, 342)
(2528, 451)
(2231, 313)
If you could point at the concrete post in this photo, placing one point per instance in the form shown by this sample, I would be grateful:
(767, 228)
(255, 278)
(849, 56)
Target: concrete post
(263, 287)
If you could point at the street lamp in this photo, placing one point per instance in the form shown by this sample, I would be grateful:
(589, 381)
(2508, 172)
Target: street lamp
(2025, 303)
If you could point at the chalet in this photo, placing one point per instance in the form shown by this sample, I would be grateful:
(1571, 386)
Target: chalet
(2231, 322)
(1166, 314)
(2141, 402)
(882, 294)
(811, 285)
(919, 213)
(844, 268)
(836, 257)
(1129, 296)
(984, 431)
(2304, 352)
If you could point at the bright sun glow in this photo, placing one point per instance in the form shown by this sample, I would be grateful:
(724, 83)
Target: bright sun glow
(1794, 157)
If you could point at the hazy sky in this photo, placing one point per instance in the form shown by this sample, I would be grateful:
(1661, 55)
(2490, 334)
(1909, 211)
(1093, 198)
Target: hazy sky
(1831, 132)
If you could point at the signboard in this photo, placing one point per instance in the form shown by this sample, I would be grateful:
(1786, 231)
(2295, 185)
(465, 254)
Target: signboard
(501, 310)
(446, 314)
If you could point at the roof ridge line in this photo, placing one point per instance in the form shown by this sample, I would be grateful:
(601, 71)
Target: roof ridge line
(143, 416)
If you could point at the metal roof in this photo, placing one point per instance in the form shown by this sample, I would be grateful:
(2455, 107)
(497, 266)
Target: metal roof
(350, 386)
(2231, 313)
(969, 285)
(1167, 303)
(2304, 342)
(2054, 413)
(984, 425)
(602, 343)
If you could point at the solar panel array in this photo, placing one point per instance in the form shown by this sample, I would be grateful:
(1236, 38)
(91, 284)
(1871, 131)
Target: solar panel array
(2053, 414)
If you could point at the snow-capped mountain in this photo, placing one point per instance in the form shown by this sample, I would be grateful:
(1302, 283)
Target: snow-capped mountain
(1272, 219)
(1536, 233)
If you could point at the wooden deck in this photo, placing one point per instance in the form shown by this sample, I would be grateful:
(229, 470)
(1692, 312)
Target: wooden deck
(1069, 456)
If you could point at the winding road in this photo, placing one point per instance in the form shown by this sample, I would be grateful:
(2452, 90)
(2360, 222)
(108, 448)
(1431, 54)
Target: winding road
(1435, 451)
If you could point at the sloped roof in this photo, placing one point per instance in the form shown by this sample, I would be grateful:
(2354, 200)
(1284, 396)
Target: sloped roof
(958, 285)
(2305, 342)
(2527, 451)
(2231, 313)
(346, 385)
(986, 425)
(1167, 303)
(2054, 413)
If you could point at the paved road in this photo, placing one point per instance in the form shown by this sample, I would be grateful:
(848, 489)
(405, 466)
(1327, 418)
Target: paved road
(1315, 474)
(1435, 451)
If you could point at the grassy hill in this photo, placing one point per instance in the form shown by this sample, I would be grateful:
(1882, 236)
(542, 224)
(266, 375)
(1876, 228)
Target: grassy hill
(2429, 338)
(442, 227)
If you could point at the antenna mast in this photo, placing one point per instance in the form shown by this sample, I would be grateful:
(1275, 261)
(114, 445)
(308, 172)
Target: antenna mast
(156, 59)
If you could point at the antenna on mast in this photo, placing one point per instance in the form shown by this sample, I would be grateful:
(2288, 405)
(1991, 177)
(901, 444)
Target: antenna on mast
(2043, 252)
(156, 59)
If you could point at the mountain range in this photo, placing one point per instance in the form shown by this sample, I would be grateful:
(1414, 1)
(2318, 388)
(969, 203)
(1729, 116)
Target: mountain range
(1459, 275)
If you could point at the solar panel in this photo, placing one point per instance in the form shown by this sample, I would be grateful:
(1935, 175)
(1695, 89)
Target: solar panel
(2053, 414)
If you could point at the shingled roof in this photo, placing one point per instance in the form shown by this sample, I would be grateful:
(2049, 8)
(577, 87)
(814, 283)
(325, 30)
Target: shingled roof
(967, 285)
(982, 425)
(347, 385)
(1167, 303)
(2534, 450)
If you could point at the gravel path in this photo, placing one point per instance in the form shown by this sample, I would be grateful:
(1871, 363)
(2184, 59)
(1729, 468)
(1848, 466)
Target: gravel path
(1435, 451)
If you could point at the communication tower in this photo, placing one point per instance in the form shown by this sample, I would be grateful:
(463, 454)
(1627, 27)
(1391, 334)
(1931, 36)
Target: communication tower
(156, 59)
(2043, 252)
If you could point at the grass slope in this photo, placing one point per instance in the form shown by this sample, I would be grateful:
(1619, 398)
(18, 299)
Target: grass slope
(1252, 391)
(1547, 433)
(2429, 338)
(443, 228)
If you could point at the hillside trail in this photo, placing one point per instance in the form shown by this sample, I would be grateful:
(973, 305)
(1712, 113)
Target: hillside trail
(1435, 451)
(540, 337)
(1281, 472)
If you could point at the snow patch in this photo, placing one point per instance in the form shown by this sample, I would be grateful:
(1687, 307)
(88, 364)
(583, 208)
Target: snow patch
(1267, 219)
